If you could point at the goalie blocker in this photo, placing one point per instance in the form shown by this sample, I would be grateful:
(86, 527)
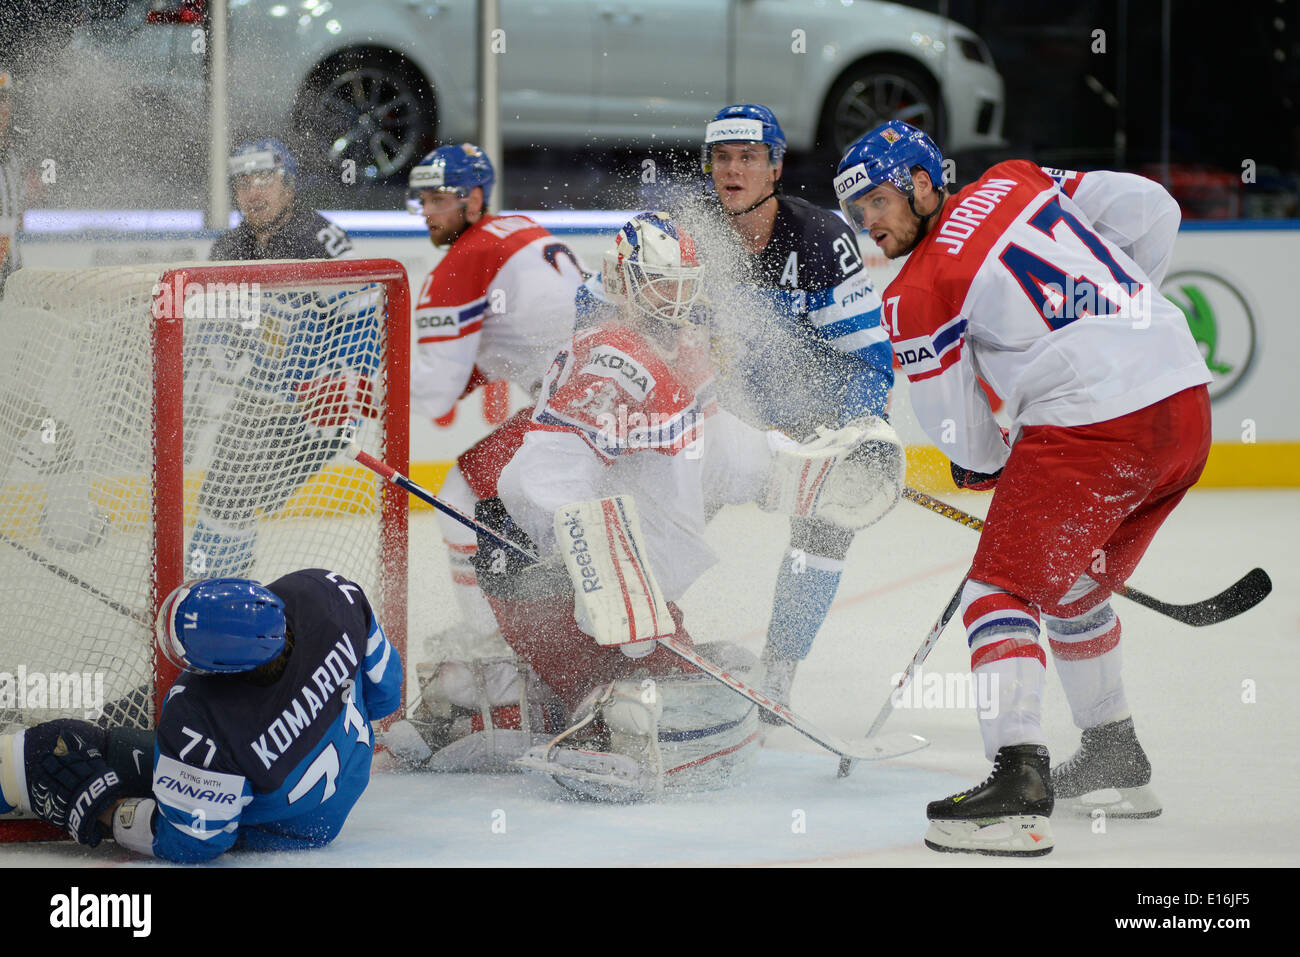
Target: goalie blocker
(641, 720)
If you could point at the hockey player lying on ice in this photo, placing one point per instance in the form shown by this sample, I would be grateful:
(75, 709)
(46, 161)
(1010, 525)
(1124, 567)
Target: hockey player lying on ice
(264, 742)
(627, 457)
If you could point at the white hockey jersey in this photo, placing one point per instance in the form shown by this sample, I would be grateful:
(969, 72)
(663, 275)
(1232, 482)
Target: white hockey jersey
(1046, 284)
(618, 417)
(501, 299)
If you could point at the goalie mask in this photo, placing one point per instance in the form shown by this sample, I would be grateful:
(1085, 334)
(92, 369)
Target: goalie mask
(654, 269)
(221, 626)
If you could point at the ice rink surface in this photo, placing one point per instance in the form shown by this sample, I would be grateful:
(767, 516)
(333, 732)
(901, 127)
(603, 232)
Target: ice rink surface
(1216, 708)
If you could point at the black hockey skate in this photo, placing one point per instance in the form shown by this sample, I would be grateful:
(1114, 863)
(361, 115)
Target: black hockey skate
(1110, 772)
(1005, 816)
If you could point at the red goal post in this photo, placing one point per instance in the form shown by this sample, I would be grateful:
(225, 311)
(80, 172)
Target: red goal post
(169, 497)
(148, 437)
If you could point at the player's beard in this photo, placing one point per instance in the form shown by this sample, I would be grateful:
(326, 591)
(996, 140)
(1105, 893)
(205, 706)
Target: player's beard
(909, 240)
(451, 236)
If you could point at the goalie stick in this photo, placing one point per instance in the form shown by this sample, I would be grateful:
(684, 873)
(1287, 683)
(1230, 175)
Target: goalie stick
(872, 750)
(1241, 596)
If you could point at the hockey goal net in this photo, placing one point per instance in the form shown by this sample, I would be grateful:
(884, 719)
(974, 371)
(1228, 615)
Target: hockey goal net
(159, 424)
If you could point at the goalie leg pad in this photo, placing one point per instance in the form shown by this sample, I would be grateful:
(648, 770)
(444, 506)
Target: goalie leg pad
(709, 736)
(616, 597)
(613, 750)
(680, 733)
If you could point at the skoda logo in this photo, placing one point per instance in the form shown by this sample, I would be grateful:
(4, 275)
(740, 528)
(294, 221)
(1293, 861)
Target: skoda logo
(1221, 321)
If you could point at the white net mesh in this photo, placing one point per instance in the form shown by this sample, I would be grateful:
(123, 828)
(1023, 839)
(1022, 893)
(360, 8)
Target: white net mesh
(278, 381)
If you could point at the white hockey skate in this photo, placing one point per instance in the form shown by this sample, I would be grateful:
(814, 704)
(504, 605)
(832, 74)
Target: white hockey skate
(778, 679)
(475, 715)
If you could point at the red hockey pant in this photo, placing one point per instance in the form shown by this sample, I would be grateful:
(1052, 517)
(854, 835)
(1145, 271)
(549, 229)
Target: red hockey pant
(1091, 496)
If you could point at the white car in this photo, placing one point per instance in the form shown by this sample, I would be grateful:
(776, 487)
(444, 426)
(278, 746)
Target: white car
(380, 83)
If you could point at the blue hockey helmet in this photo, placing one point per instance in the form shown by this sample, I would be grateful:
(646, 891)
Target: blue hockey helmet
(263, 156)
(221, 626)
(887, 154)
(743, 123)
(451, 169)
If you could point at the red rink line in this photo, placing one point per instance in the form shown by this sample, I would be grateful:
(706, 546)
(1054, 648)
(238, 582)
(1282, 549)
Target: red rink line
(882, 590)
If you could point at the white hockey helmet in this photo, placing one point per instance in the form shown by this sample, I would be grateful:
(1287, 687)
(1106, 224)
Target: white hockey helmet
(653, 267)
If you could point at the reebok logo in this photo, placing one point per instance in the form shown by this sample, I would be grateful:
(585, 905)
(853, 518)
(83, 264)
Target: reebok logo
(581, 553)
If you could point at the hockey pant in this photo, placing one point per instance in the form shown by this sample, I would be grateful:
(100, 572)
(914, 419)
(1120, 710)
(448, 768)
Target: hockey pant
(1070, 501)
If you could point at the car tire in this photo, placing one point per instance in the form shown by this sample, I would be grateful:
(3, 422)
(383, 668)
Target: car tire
(374, 110)
(874, 92)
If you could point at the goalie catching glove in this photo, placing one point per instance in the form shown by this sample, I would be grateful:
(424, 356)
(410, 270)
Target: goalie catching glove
(850, 477)
(616, 599)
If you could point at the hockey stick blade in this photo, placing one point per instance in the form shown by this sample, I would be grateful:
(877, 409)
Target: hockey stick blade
(1239, 597)
(931, 639)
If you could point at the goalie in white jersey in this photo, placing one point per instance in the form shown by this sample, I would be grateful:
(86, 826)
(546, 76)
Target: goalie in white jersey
(626, 458)
(1045, 284)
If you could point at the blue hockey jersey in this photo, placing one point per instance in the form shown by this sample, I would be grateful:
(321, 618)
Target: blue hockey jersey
(277, 766)
(824, 358)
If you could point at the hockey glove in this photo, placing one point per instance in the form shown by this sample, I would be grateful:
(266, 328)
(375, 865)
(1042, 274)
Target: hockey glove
(978, 481)
(503, 572)
(974, 481)
(70, 782)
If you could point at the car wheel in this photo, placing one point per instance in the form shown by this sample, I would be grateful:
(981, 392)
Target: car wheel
(874, 93)
(373, 113)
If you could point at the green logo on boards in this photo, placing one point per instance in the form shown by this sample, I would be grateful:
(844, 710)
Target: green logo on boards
(1221, 322)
